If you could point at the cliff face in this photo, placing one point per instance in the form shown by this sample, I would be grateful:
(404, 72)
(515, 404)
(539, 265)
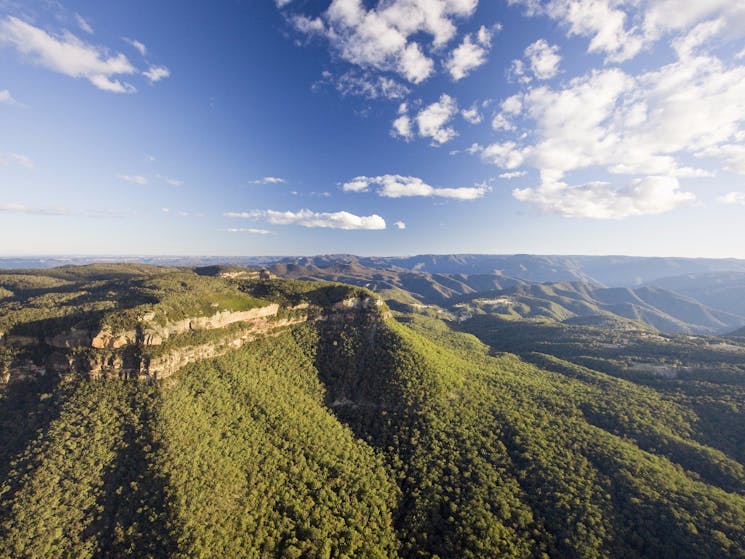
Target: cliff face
(165, 365)
(156, 351)
(150, 333)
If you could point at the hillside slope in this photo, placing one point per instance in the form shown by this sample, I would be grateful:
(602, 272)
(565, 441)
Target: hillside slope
(405, 290)
(352, 434)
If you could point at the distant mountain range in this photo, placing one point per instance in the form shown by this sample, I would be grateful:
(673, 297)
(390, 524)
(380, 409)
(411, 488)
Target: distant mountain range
(675, 295)
(610, 271)
(528, 296)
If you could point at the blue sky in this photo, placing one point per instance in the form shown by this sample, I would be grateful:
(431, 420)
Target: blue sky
(399, 127)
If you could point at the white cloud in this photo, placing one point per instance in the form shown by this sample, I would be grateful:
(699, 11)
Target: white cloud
(169, 180)
(364, 84)
(414, 65)
(399, 225)
(382, 38)
(22, 209)
(307, 218)
(402, 125)
(620, 29)
(654, 123)
(179, 213)
(6, 98)
(732, 156)
(358, 184)
(501, 122)
(83, 24)
(14, 208)
(433, 120)
(601, 20)
(469, 55)
(16, 159)
(507, 155)
(544, 59)
(68, 55)
(402, 128)
(733, 198)
(601, 200)
(250, 230)
(471, 115)
(133, 179)
(662, 17)
(268, 180)
(397, 186)
(513, 105)
(156, 73)
(138, 46)
(513, 175)
(542, 63)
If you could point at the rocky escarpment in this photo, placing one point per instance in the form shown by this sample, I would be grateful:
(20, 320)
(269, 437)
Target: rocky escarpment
(156, 351)
(150, 333)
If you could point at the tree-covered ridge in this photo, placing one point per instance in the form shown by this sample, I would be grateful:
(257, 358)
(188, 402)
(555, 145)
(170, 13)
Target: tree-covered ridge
(352, 434)
(44, 303)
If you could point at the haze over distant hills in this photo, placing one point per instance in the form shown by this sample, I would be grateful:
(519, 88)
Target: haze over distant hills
(607, 270)
(677, 295)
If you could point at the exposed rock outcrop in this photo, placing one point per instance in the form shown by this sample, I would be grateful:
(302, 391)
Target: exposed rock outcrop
(140, 353)
(150, 333)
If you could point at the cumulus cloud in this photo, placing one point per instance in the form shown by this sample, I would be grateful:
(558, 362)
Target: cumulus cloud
(663, 17)
(620, 30)
(68, 55)
(541, 62)
(156, 73)
(600, 20)
(402, 125)
(16, 159)
(397, 186)
(469, 55)
(652, 124)
(544, 59)
(471, 115)
(307, 218)
(133, 179)
(601, 200)
(400, 225)
(402, 128)
(433, 121)
(732, 198)
(268, 180)
(384, 38)
(507, 155)
(657, 126)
